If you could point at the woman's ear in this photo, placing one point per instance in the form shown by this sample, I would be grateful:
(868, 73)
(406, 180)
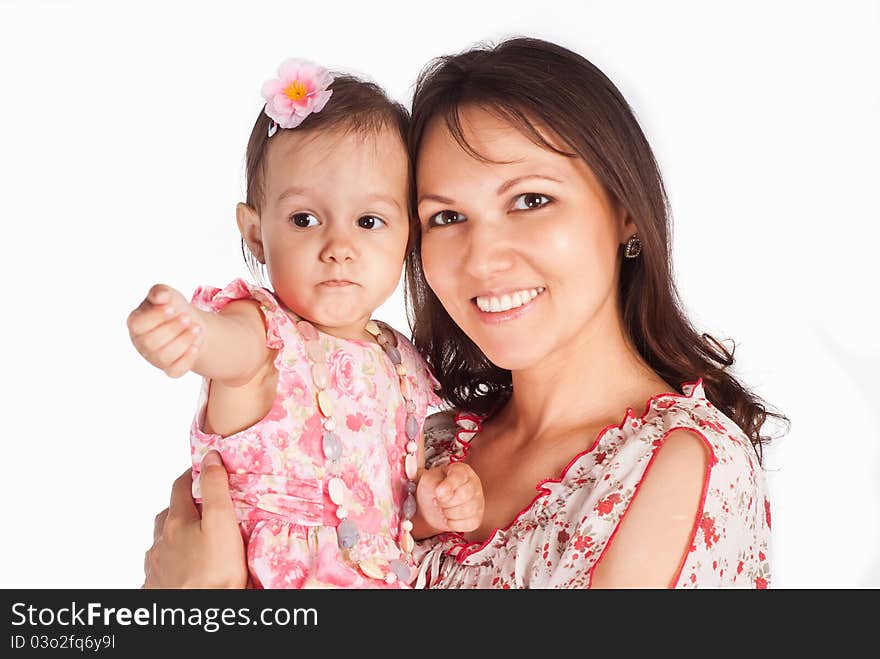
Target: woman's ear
(249, 225)
(627, 228)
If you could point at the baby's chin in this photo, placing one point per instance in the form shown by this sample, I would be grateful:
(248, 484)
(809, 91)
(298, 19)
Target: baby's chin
(341, 311)
(347, 321)
(344, 329)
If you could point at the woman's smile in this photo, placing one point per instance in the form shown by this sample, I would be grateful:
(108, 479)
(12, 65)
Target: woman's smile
(501, 306)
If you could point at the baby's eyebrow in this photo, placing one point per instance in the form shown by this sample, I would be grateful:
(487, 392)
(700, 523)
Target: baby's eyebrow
(293, 191)
(388, 199)
(299, 191)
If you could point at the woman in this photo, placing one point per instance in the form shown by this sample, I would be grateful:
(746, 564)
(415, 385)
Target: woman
(542, 294)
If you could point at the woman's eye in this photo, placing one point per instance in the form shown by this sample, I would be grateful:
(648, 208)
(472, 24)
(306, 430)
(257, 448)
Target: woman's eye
(445, 217)
(370, 222)
(530, 201)
(304, 220)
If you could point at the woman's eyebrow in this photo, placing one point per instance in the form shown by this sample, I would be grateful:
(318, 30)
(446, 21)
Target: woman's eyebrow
(435, 197)
(504, 187)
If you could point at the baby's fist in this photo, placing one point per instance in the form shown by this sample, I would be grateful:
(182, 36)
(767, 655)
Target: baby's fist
(451, 498)
(166, 330)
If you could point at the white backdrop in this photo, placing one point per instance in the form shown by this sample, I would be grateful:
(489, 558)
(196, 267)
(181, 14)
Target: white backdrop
(122, 138)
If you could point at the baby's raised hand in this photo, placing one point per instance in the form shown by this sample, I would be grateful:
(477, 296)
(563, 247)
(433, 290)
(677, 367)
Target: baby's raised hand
(166, 330)
(450, 498)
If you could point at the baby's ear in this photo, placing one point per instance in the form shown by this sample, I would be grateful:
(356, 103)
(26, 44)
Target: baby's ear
(249, 225)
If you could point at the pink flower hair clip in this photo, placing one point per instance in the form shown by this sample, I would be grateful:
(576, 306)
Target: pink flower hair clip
(299, 90)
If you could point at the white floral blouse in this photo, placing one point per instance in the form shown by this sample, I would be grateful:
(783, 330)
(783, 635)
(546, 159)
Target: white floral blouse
(557, 541)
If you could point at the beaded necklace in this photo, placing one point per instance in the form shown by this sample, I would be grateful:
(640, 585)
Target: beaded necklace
(347, 531)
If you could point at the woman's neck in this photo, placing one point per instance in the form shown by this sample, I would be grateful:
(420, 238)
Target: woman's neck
(589, 381)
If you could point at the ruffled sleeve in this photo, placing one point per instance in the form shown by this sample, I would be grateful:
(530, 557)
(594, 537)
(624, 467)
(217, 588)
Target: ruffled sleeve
(430, 384)
(210, 298)
(440, 438)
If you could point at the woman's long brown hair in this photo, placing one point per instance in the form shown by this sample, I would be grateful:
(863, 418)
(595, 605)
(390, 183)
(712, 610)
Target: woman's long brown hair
(531, 83)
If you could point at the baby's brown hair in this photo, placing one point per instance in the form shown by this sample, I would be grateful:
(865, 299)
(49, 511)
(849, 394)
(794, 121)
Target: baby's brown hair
(356, 105)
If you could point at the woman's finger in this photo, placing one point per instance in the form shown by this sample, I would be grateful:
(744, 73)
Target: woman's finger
(182, 507)
(214, 483)
(158, 525)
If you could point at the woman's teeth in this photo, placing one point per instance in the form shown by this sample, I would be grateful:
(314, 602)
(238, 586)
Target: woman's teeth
(508, 301)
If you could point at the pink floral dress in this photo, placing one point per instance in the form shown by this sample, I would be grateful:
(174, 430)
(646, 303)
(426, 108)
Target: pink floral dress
(557, 541)
(277, 473)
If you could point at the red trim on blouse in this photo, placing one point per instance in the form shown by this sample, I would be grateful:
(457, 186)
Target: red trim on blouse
(467, 548)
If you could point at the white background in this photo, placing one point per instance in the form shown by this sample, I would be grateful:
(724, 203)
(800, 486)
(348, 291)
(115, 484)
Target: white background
(122, 137)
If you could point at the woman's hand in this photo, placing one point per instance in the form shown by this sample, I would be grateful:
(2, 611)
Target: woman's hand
(450, 498)
(192, 551)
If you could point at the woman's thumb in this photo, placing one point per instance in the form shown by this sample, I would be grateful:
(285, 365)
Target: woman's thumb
(214, 486)
(211, 459)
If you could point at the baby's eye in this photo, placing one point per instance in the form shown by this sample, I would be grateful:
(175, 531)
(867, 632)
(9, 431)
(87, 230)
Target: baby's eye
(445, 217)
(530, 201)
(370, 222)
(304, 220)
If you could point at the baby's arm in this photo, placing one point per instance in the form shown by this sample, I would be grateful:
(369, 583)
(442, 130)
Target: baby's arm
(175, 336)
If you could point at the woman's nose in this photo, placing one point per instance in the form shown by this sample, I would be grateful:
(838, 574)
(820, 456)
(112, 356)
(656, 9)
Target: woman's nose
(487, 250)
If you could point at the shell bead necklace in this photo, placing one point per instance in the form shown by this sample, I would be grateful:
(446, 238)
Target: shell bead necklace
(347, 532)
